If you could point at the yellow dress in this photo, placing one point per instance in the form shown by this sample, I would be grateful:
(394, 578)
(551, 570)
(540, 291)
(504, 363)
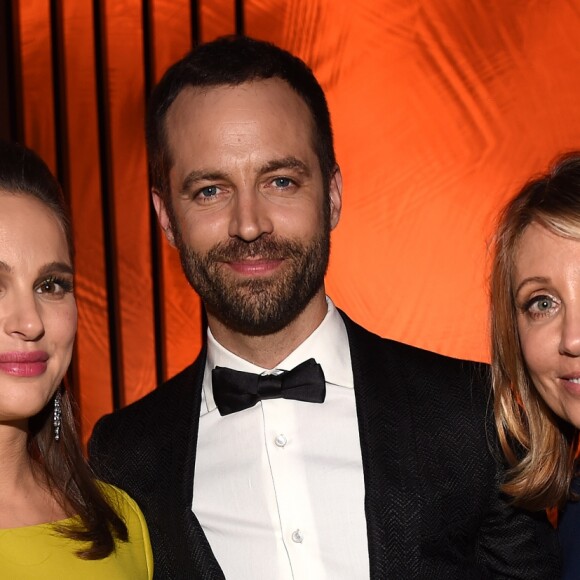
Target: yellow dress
(37, 552)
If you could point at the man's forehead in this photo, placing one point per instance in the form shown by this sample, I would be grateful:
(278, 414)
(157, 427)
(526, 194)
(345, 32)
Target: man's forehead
(227, 115)
(252, 96)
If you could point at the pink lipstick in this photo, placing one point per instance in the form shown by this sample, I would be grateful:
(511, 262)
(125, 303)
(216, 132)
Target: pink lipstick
(23, 364)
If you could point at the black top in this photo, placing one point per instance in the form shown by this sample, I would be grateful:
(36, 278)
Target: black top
(569, 533)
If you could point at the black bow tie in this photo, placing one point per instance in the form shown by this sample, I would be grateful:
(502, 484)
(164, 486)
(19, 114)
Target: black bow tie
(235, 390)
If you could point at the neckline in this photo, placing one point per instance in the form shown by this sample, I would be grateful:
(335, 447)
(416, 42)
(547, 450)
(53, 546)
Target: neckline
(62, 522)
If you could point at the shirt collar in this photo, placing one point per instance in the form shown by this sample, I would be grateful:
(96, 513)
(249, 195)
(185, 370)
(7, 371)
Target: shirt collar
(328, 344)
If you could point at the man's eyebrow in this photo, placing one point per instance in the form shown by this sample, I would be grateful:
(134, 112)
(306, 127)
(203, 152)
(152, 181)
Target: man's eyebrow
(286, 163)
(537, 279)
(5, 267)
(200, 175)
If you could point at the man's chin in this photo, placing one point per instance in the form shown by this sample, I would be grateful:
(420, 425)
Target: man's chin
(257, 310)
(241, 291)
(249, 326)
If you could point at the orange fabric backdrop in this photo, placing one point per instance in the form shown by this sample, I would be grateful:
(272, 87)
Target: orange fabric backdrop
(441, 109)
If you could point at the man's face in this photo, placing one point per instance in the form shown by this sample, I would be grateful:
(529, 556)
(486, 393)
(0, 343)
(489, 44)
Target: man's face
(247, 208)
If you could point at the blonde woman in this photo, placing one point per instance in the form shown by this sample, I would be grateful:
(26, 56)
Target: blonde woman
(535, 321)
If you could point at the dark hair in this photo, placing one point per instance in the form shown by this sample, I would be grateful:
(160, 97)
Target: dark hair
(233, 60)
(23, 172)
(61, 462)
(539, 446)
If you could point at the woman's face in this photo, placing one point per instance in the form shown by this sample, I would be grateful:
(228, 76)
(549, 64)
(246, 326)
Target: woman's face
(38, 315)
(547, 284)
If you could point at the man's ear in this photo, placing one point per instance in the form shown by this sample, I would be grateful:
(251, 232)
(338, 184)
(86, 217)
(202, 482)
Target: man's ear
(163, 216)
(335, 197)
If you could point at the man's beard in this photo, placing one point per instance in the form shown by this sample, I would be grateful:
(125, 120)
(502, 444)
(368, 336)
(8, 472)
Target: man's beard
(261, 305)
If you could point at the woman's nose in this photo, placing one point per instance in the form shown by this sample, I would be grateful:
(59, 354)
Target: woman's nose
(22, 317)
(570, 337)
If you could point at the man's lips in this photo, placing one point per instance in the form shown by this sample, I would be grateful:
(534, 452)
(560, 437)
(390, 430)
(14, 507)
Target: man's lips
(23, 364)
(254, 266)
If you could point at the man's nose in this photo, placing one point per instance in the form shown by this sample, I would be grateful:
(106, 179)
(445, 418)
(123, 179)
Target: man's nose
(250, 217)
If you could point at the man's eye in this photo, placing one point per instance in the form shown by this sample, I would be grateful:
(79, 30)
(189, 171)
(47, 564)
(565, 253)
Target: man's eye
(209, 191)
(282, 182)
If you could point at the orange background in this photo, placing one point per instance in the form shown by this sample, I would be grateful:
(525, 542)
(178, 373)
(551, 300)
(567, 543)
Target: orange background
(441, 109)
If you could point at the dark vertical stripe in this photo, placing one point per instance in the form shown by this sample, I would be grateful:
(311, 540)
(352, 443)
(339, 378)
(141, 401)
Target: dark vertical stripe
(240, 21)
(195, 23)
(155, 234)
(59, 95)
(107, 197)
(148, 46)
(11, 104)
(61, 130)
(195, 40)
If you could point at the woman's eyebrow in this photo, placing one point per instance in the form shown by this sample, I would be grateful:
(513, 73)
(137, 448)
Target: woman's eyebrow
(60, 267)
(537, 279)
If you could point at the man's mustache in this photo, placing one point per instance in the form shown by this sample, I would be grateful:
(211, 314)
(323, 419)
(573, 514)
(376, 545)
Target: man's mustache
(264, 247)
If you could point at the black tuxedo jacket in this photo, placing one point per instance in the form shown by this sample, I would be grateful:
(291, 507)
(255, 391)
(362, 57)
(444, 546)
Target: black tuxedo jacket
(431, 475)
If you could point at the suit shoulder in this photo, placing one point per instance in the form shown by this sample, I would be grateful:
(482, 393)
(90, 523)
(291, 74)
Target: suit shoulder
(181, 384)
(164, 408)
(426, 360)
(418, 360)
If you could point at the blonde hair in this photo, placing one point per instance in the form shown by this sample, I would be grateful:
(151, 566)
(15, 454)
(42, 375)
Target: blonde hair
(538, 445)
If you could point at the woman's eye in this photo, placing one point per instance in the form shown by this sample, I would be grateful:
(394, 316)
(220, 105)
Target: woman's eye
(539, 305)
(54, 286)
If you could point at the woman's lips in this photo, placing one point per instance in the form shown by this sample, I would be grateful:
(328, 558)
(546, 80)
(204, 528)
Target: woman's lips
(571, 383)
(23, 364)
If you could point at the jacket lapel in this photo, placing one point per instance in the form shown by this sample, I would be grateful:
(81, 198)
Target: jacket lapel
(200, 561)
(392, 504)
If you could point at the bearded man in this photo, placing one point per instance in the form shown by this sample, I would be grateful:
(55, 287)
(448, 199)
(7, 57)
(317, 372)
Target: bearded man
(298, 445)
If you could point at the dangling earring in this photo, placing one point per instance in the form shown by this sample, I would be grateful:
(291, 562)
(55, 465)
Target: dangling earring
(56, 416)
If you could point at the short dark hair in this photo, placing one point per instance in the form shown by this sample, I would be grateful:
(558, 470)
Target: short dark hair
(233, 60)
(23, 172)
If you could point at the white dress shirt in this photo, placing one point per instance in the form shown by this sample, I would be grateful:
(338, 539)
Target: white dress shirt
(279, 488)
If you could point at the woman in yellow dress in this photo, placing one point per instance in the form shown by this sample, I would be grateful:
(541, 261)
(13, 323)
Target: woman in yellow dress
(56, 520)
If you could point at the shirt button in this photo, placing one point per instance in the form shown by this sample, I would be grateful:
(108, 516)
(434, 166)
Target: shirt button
(297, 536)
(281, 440)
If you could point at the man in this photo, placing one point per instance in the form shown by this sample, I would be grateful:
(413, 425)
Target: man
(385, 469)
